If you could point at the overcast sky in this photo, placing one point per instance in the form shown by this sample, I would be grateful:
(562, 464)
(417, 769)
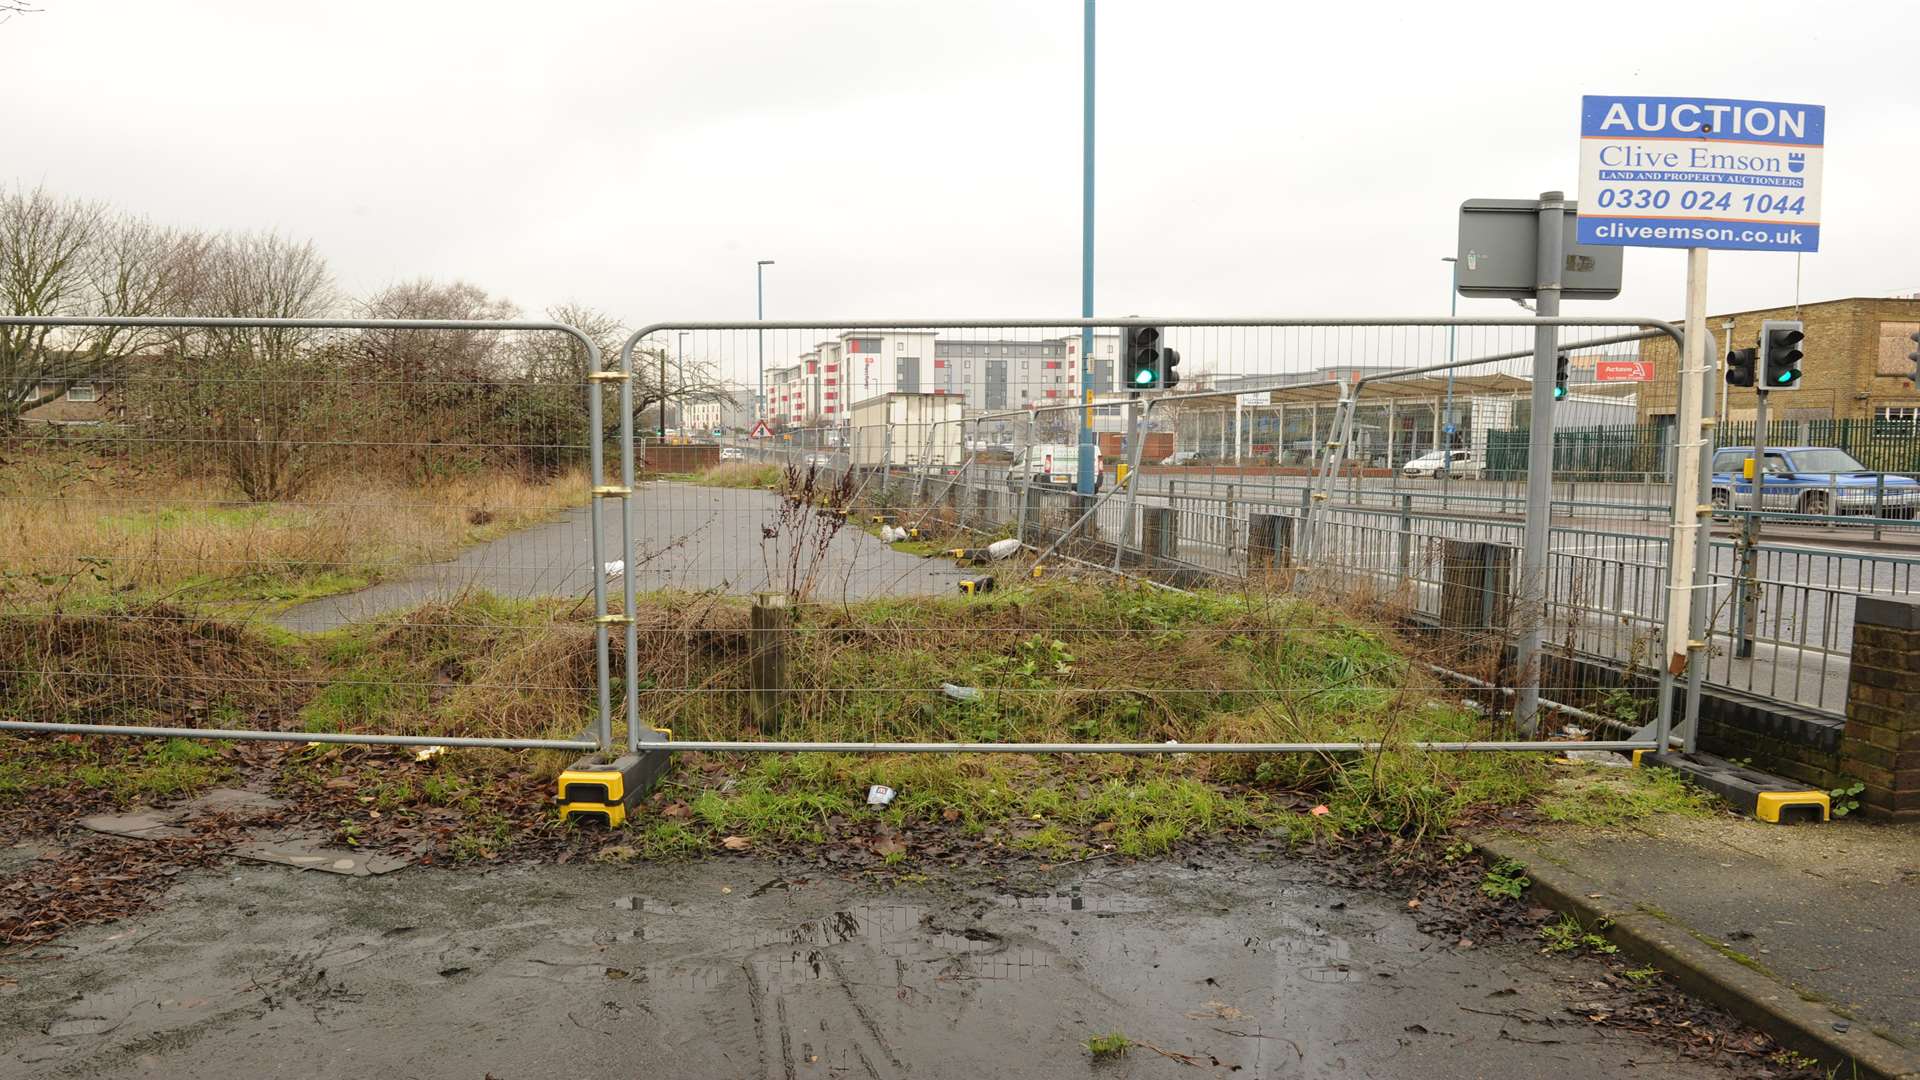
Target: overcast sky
(923, 156)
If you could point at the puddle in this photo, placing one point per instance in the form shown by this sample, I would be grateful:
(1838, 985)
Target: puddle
(646, 905)
(1092, 900)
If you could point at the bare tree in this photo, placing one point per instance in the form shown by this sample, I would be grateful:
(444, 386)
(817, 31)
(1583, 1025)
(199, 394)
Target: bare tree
(271, 403)
(46, 253)
(445, 388)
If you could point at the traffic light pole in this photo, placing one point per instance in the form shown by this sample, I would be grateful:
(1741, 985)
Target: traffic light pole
(1533, 552)
(1749, 542)
(1085, 471)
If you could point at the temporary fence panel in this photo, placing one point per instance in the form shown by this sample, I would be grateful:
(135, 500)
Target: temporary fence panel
(370, 531)
(825, 537)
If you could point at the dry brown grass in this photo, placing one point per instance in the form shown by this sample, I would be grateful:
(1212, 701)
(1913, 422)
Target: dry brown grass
(147, 663)
(73, 526)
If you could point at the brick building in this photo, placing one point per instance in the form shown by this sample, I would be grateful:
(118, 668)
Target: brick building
(1856, 364)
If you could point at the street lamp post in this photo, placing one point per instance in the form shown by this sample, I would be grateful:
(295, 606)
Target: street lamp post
(1453, 308)
(680, 365)
(760, 314)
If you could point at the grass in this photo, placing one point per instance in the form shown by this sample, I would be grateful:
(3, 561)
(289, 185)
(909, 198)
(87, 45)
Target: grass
(1111, 1045)
(740, 474)
(1568, 936)
(1056, 662)
(120, 773)
(1599, 797)
(77, 526)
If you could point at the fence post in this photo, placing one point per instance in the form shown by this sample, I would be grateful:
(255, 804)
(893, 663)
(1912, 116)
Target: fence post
(1881, 746)
(770, 622)
(1159, 533)
(1269, 542)
(1475, 581)
(1406, 537)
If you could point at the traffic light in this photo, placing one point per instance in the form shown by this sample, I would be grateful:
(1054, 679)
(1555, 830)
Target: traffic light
(1740, 366)
(1780, 353)
(1144, 357)
(1560, 377)
(1169, 368)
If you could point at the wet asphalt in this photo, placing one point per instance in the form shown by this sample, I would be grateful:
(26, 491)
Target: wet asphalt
(685, 537)
(734, 968)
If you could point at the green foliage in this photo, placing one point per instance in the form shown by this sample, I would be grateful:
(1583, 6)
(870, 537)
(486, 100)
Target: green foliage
(1111, 1045)
(364, 697)
(1845, 800)
(1506, 880)
(1567, 936)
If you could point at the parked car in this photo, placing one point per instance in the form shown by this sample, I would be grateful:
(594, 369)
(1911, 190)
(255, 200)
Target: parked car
(1181, 457)
(819, 461)
(1811, 480)
(732, 453)
(1433, 463)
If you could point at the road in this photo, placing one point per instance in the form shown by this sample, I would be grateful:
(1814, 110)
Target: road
(734, 968)
(686, 537)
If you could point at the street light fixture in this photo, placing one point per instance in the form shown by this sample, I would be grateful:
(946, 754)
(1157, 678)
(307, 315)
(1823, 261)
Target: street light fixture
(760, 315)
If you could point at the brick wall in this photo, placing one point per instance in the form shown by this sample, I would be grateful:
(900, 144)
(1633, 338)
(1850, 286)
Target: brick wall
(680, 458)
(1774, 738)
(1881, 747)
(1843, 353)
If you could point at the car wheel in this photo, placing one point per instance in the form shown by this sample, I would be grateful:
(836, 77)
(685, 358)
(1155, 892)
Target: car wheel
(1814, 502)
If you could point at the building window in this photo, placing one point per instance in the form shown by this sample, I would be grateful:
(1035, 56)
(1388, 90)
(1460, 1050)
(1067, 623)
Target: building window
(899, 346)
(1896, 419)
(83, 391)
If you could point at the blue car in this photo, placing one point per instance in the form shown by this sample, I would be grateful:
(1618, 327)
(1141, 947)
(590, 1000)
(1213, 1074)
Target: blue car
(1811, 480)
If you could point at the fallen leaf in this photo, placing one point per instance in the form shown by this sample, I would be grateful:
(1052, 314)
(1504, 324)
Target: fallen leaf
(1106, 827)
(1320, 811)
(675, 810)
(951, 813)
(1413, 905)
(342, 783)
(889, 845)
(736, 843)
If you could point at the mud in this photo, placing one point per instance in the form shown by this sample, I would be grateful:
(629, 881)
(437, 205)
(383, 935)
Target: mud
(738, 968)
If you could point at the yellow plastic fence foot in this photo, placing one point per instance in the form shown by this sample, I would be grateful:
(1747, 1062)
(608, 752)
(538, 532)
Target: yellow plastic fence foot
(602, 792)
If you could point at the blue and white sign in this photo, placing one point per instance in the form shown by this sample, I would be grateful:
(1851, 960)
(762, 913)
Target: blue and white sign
(1700, 172)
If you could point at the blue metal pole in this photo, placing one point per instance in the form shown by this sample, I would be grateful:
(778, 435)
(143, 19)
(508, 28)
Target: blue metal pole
(1085, 477)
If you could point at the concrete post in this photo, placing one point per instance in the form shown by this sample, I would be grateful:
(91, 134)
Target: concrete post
(1476, 587)
(1881, 747)
(1159, 533)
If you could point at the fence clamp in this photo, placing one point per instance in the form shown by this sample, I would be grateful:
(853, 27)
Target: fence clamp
(1320, 496)
(610, 376)
(614, 490)
(613, 620)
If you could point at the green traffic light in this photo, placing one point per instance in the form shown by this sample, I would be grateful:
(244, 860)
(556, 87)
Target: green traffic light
(1559, 393)
(1144, 376)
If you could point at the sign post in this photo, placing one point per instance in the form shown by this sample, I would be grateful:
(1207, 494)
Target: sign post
(1697, 173)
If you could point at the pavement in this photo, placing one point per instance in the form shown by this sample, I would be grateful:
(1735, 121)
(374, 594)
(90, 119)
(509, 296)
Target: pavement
(685, 537)
(735, 967)
(1810, 932)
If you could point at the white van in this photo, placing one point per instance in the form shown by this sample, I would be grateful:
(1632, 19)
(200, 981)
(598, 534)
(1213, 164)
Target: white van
(1056, 464)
